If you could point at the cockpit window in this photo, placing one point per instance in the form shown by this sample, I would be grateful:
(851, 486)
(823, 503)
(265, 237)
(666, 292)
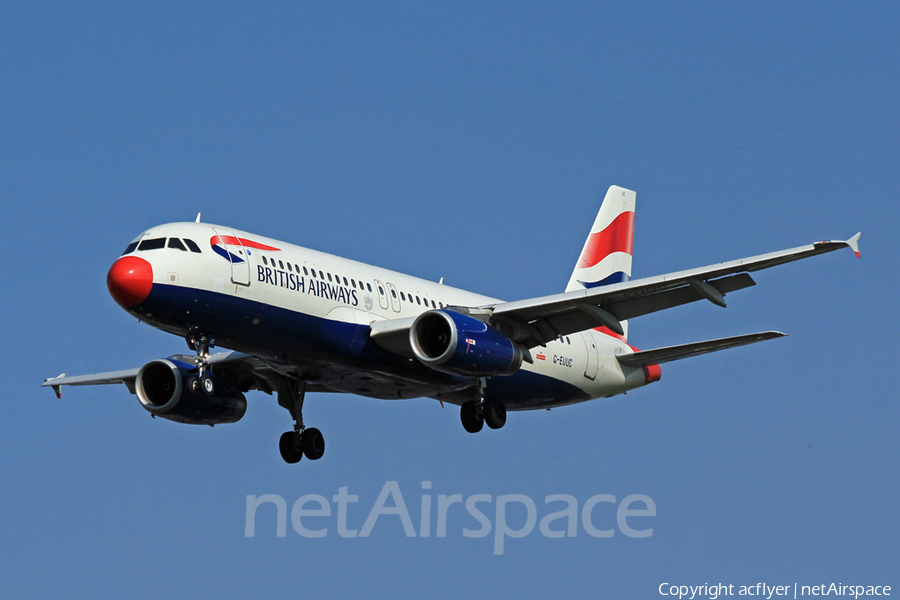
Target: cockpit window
(176, 243)
(152, 244)
(190, 244)
(130, 248)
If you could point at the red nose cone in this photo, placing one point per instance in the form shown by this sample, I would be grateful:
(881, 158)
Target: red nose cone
(129, 280)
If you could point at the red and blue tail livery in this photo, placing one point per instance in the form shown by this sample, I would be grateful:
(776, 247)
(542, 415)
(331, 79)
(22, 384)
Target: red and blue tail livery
(606, 256)
(293, 321)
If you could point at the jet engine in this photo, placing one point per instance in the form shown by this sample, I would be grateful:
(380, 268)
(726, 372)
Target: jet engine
(458, 344)
(170, 389)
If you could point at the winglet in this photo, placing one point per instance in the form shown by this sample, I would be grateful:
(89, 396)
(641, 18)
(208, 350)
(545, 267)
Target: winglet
(56, 388)
(854, 244)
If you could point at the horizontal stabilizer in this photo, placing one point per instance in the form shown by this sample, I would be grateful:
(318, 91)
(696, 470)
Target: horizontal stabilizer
(662, 355)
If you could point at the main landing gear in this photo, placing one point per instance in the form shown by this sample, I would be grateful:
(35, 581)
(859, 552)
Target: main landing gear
(203, 383)
(300, 442)
(475, 413)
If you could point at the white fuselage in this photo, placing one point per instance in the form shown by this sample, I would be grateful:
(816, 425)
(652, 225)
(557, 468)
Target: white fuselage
(274, 275)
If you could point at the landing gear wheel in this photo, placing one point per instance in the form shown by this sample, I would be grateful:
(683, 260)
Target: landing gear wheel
(471, 420)
(313, 443)
(288, 446)
(495, 415)
(193, 385)
(207, 385)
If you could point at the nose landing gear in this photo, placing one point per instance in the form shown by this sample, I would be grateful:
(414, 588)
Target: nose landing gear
(201, 343)
(203, 382)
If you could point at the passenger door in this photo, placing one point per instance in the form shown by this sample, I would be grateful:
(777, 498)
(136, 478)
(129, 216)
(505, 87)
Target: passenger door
(395, 297)
(593, 360)
(237, 254)
(382, 295)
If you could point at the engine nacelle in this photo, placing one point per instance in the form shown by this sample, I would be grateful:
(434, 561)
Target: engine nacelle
(163, 389)
(461, 345)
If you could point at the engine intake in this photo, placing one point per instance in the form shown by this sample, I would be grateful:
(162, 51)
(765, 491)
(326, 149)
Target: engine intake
(162, 388)
(455, 343)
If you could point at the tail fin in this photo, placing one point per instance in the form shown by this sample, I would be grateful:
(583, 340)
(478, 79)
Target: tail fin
(606, 256)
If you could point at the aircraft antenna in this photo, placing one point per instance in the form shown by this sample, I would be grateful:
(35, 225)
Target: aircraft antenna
(198, 218)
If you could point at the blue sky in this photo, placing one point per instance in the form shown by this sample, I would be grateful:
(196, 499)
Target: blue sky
(472, 142)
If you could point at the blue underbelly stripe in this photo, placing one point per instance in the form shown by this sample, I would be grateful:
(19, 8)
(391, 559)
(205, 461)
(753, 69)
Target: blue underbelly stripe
(336, 353)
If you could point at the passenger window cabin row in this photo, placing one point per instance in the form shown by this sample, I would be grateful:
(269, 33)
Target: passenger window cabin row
(295, 268)
(175, 243)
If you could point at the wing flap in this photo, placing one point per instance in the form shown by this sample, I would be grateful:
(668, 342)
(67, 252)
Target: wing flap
(577, 319)
(643, 305)
(646, 358)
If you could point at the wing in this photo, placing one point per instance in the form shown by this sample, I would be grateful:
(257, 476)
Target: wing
(535, 322)
(246, 371)
(127, 377)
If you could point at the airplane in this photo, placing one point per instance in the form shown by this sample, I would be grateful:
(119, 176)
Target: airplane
(294, 320)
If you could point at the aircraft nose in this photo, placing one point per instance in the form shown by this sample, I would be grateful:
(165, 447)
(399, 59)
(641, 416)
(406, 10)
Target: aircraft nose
(129, 280)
